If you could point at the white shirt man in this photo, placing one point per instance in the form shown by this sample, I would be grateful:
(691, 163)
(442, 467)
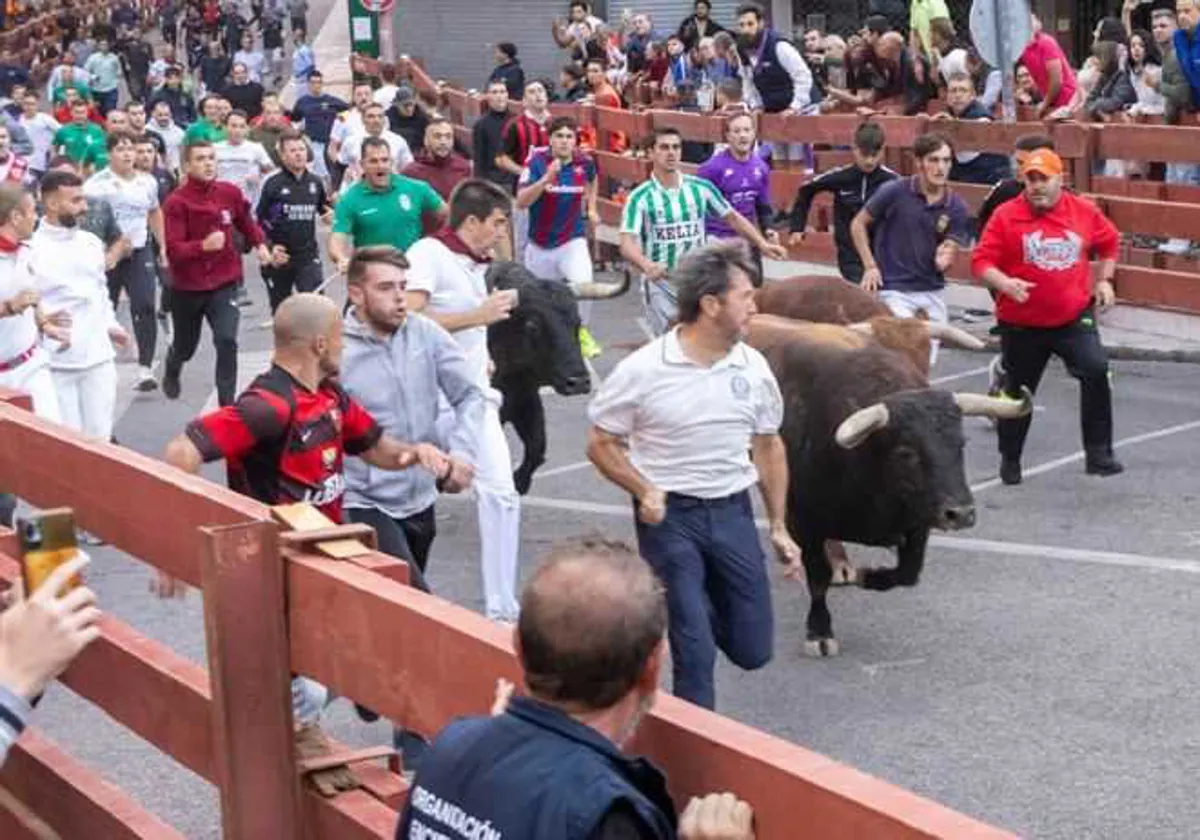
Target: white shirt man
(68, 264)
(446, 281)
(240, 161)
(163, 124)
(24, 363)
(41, 129)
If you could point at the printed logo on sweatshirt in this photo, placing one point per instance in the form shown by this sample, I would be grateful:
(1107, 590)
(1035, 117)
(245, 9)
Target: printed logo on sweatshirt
(1052, 253)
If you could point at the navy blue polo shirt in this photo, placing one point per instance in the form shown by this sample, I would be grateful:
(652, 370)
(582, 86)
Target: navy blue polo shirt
(907, 231)
(318, 114)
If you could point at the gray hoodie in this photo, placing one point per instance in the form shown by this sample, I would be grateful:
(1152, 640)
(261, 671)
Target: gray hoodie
(398, 381)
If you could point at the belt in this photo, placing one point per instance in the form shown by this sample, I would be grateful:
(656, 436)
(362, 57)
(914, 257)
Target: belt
(684, 500)
(18, 360)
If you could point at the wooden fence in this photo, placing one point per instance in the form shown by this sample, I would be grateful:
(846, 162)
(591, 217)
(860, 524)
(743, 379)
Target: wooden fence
(272, 608)
(1145, 277)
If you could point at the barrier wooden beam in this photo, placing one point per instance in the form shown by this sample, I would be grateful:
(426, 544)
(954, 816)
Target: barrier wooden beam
(997, 137)
(360, 648)
(1170, 143)
(698, 127)
(1153, 218)
(835, 129)
(635, 125)
(1156, 287)
(253, 757)
(621, 167)
(71, 798)
(99, 480)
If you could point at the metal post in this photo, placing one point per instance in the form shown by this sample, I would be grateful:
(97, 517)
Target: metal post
(245, 628)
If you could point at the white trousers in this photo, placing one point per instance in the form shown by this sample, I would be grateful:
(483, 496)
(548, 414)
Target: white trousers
(571, 262)
(34, 379)
(908, 304)
(498, 508)
(87, 398)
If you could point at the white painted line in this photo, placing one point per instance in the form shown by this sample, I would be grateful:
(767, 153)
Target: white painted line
(1078, 456)
(967, 544)
(568, 468)
(966, 374)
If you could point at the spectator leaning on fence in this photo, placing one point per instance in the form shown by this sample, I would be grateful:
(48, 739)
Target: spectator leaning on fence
(551, 764)
(777, 70)
(1051, 72)
(971, 167)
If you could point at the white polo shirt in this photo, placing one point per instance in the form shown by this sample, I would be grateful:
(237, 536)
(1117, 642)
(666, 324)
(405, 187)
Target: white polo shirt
(689, 427)
(132, 199)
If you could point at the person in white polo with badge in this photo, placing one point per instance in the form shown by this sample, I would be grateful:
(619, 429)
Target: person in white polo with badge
(686, 425)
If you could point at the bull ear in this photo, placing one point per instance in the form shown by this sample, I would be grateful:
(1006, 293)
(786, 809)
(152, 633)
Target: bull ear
(861, 425)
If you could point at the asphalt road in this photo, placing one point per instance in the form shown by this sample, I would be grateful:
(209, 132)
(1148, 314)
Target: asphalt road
(1038, 677)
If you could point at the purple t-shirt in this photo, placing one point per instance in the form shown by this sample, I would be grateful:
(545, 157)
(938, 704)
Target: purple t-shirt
(745, 184)
(906, 231)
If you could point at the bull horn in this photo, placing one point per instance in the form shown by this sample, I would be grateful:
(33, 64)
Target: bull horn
(955, 336)
(860, 425)
(864, 327)
(999, 408)
(602, 291)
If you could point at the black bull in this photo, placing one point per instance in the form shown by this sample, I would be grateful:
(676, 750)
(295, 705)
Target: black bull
(875, 457)
(538, 345)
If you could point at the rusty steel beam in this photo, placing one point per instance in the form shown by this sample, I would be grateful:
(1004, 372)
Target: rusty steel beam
(363, 648)
(71, 798)
(42, 462)
(253, 756)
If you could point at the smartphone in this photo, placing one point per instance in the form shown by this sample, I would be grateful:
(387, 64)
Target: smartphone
(47, 541)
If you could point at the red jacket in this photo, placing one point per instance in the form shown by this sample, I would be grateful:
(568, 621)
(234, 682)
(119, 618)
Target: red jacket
(1050, 249)
(443, 174)
(193, 211)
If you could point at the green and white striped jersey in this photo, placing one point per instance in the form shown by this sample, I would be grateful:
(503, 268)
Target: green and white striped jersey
(670, 222)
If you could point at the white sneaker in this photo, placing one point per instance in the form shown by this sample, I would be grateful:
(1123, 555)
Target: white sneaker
(145, 381)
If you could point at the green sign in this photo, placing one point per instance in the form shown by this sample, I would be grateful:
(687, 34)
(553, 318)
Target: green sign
(364, 30)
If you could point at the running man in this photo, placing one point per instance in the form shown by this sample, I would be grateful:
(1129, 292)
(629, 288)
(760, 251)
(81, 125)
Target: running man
(559, 189)
(664, 220)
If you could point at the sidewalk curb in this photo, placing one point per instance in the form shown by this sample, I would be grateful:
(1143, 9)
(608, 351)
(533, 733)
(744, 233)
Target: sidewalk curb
(1121, 352)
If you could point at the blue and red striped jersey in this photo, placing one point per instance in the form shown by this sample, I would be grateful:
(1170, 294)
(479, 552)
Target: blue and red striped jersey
(557, 217)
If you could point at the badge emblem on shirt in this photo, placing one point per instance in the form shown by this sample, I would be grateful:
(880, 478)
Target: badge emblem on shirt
(943, 224)
(329, 457)
(226, 217)
(312, 189)
(740, 386)
(405, 203)
(285, 191)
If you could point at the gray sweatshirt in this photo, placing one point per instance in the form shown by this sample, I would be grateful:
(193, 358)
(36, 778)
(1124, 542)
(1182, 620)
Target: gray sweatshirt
(399, 381)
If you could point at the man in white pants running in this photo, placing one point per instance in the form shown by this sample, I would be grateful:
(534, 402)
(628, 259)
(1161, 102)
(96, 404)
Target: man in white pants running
(68, 266)
(446, 282)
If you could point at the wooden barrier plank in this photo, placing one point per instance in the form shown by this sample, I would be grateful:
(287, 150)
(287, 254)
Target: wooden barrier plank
(360, 648)
(1169, 143)
(353, 815)
(1153, 218)
(836, 130)
(1158, 288)
(785, 183)
(997, 137)
(700, 128)
(621, 167)
(71, 798)
(634, 124)
(253, 755)
(17, 822)
(40, 469)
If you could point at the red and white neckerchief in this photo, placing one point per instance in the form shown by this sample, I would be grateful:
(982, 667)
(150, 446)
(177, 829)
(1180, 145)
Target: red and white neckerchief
(14, 169)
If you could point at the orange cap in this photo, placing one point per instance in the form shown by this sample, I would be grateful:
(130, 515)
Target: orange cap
(1044, 162)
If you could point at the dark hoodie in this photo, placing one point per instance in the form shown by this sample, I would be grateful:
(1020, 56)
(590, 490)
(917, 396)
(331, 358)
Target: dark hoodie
(443, 174)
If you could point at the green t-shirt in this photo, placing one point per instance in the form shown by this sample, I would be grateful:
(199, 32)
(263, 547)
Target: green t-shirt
(59, 95)
(388, 217)
(202, 129)
(83, 143)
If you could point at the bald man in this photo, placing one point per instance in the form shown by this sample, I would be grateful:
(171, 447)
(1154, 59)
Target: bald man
(590, 642)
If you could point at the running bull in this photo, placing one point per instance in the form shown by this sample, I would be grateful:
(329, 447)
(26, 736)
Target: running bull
(875, 455)
(538, 345)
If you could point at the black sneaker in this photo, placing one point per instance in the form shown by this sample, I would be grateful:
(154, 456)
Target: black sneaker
(170, 385)
(1010, 471)
(1104, 465)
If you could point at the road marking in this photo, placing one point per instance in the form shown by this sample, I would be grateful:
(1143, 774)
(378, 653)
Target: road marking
(965, 544)
(941, 380)
(872, 669)
(1078, 456)
(568, 468)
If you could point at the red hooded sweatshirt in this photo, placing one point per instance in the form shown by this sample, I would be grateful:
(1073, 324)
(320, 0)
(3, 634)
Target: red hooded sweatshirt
(1051, 249)
(443, 174)
(192, 212)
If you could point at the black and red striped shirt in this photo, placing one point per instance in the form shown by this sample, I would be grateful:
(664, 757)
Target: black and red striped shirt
(522, 135)
(284, 443)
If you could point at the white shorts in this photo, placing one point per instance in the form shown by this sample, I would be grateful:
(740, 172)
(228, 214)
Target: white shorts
(571, 261)
(908, 304)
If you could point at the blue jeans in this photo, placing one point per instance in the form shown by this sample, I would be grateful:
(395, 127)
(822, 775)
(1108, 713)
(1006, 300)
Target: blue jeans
(106, 100)
(707, 554)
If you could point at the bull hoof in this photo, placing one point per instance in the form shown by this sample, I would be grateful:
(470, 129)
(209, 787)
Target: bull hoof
(844, 574)
(821, 648)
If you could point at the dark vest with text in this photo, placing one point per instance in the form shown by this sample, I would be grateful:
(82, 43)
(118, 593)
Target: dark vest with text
(531, 772)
